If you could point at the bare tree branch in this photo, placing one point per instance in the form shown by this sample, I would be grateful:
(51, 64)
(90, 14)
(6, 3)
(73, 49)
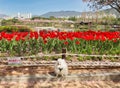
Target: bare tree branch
(98, 4)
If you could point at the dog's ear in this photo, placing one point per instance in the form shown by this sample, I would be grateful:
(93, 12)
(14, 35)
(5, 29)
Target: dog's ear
(55, 59)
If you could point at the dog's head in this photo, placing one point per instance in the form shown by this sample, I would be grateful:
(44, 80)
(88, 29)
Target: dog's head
(61, 64)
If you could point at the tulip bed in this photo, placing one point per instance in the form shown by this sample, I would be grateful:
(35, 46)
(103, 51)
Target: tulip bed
(88, 42)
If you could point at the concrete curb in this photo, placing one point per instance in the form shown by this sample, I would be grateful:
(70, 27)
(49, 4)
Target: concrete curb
(84, 64)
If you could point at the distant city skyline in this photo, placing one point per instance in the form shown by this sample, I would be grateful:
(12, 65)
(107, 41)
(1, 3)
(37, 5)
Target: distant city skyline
(39, 7)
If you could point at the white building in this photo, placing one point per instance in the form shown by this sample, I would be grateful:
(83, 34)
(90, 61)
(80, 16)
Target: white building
(24, 16)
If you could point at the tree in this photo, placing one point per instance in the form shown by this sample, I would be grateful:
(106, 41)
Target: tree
(9, 22)
(72, 18)
(52, 18)
(98, 4)
(14, 20)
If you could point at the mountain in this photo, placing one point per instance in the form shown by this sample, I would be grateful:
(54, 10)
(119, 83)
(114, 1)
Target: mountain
(75, 13)
(3, 15)
(61, 13)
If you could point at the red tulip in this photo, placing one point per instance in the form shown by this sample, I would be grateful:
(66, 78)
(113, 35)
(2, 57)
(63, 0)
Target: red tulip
(17, 38)
(77, 42)
(114, 40)
(45, 41)
(66, 43)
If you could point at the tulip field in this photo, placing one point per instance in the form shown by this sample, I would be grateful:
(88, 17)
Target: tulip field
(88, 42)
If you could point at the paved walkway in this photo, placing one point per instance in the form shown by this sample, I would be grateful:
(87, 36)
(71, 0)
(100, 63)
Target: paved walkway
(101, 80)
(110, 76)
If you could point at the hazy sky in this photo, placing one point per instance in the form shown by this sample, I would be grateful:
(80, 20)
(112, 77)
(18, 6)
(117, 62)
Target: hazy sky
(38, 7)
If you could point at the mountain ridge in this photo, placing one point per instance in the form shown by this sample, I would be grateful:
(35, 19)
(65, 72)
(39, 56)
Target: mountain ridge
(76, 13)
(3, 15)
(61, 13)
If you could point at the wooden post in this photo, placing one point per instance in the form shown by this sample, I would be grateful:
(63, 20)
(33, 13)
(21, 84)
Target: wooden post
(63, 53)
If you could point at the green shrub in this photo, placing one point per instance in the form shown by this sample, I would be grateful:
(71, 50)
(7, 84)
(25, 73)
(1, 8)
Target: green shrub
(15, 29)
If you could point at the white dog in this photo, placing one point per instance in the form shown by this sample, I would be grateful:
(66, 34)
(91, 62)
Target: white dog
(61, 68)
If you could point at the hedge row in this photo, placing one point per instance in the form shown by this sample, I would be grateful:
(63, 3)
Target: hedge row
(15, 29)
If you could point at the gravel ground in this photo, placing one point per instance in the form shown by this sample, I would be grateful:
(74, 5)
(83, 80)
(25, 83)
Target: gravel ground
(5, 71)
(61, 84)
